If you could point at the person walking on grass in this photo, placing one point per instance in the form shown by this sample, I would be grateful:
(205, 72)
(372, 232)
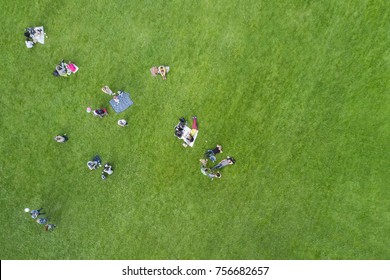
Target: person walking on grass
(34, 213)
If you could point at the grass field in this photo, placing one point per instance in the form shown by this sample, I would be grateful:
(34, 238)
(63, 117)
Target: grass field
(296, 91)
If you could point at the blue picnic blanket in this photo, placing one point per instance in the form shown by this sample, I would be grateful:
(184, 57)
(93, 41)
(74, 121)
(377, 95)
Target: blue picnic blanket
(123, 102)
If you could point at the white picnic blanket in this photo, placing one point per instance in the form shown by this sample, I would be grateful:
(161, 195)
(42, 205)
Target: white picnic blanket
(186, 133)
(39, 35)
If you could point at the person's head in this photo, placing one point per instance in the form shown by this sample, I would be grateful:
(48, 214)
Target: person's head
(231, 160)
(103, 177)
(59, 138)
(190, 138)
(218, 175)
(55, 73)
(154, 70)
(178, 133)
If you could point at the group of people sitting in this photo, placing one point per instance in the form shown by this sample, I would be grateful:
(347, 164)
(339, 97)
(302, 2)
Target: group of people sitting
(64, 69)
(183, 132)
(34, 35)
(96, 162)
(42, 221)
(211, 155)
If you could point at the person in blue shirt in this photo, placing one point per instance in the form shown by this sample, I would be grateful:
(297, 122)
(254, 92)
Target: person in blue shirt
(207, 171)
(34, 213)
(42, 221)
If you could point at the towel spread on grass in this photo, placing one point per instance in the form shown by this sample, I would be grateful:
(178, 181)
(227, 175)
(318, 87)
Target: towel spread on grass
(121, 102)
(39, 35)
(186, 133)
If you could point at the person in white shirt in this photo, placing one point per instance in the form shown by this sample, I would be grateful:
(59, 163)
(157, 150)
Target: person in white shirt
(122, 123)
(29, 44)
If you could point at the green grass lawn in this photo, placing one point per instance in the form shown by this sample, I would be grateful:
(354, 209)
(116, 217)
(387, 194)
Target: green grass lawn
(296, 91)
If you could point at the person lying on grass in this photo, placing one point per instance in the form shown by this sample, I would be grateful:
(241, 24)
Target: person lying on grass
(162, 70)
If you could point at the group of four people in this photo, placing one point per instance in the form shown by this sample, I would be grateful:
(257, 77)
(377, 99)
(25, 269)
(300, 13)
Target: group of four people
(42, 221)
(211, 155)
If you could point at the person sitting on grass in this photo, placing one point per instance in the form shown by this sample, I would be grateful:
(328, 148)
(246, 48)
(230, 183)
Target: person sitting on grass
(207, 171)
(29, 43)
(34, 35)
(49, 227)
(65, 69)
(61, 138)
(34, 213)
(179, 129)
(61, 70)
(93, 164)
(100, 112)
(42, 221)
(107, 170)
(122, 123)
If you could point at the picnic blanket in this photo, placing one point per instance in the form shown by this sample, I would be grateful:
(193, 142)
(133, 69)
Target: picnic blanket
(39, 35)
(186, 133)
(121, 102)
